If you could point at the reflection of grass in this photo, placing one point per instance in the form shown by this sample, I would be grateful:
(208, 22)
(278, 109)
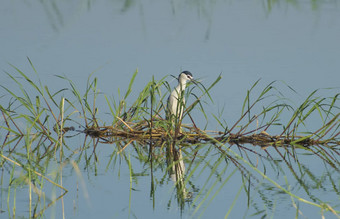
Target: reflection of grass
(244, 147)
(59, 14)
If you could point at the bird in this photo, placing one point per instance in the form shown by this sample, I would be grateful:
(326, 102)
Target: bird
(176, 100)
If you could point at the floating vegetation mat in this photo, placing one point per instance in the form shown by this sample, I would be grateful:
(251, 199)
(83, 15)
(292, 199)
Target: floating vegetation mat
(196, 135)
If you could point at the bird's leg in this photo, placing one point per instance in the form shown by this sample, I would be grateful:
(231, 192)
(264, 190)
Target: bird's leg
(179, 129)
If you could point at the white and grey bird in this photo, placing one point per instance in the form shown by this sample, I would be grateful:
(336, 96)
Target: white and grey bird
(176, 100)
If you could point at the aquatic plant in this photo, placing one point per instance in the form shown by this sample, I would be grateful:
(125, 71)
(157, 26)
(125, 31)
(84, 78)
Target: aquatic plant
(36, 123)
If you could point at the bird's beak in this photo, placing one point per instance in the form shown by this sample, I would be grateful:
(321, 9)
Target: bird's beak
(193, 81)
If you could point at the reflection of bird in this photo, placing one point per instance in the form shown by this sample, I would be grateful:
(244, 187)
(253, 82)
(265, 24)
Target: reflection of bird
(174, 107)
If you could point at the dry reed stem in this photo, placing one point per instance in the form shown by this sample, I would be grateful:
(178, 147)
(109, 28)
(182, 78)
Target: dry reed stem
(123, 148)
(125, 123)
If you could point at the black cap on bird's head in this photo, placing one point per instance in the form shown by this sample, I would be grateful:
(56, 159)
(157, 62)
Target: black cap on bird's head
(187, 73)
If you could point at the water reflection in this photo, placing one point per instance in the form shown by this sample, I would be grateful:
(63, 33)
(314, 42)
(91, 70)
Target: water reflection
(61, 14)
(220, 161)
(176, 171)
(161, 153)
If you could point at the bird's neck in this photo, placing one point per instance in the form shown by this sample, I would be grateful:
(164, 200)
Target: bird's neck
(180, 87)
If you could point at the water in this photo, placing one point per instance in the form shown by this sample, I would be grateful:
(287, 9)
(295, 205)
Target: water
(243, 40)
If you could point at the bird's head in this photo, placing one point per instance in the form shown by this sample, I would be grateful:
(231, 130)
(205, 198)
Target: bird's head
(184, 77)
